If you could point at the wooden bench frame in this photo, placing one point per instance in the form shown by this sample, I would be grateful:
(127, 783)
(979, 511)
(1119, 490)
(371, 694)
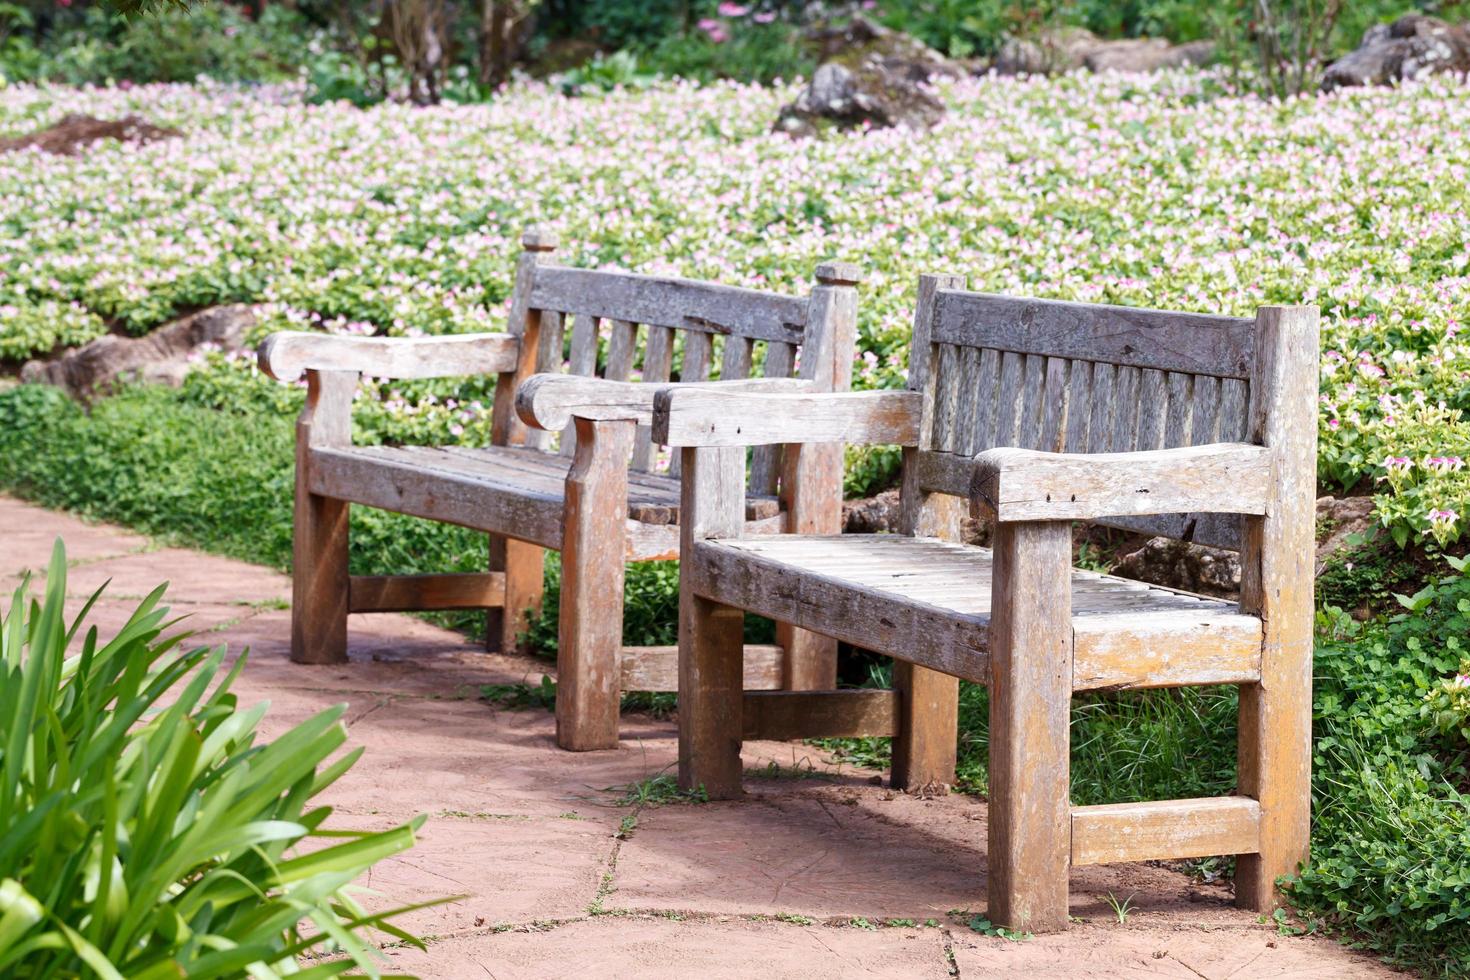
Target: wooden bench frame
(997, 386)
(605, 424)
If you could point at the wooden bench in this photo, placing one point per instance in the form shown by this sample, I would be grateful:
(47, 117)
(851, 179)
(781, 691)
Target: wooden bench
(1036, 414)
(580, 499)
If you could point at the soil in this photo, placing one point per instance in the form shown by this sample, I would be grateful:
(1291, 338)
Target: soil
(75, 133)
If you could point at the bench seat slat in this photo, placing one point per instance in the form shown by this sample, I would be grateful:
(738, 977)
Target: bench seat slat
(515, 484)
(928, 602)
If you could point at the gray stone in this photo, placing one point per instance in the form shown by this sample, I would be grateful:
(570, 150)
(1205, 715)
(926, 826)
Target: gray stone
(1070, 48)
(870, 75)
(1412, 47)
(1182, 565)
(161, 356)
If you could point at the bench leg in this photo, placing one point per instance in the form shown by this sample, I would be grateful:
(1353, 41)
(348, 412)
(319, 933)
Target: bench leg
(1275, 756)
(928, 725)
(1030, 702)
(524, 570)
(711, 669)
(810, 659)
(319, 583)
(590, 629)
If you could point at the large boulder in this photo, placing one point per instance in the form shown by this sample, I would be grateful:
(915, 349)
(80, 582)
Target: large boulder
(162, 356)
(1414, 46)
(1070, 48)
(871, 76)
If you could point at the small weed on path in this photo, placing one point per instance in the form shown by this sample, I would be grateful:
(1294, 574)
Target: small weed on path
(1120, 908)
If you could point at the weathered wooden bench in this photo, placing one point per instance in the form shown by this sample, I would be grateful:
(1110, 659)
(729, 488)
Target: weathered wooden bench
(580, 499)
(1037, 414)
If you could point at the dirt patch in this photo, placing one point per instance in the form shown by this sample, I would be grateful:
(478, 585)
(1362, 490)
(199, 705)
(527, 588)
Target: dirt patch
(74, 133)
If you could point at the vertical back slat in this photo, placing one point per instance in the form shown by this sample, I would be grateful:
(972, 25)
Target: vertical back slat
(1033, 403)
(735, 364)
(1008, 400)
(987, 389)
(946, 398)
(697, 356)
(658, 357)
(1204, 419)
(1125, 410)
(1054, 407)
(583, 363)
(1153, 407)
(548, 358)
(1234, 403)
(1100, 429)
(1079, 406)
(1176, 420)
(967, 414)
(622, 347)
(765, 461)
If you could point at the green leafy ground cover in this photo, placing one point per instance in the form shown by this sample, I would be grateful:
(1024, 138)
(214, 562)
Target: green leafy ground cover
(1170, 191)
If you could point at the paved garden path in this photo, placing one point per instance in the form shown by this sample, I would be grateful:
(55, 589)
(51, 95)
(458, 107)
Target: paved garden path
(801, 879)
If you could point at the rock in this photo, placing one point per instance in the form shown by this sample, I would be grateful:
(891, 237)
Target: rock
(1071, 48)
(161, 356)
(871, 515)
(1146, 55)
(1340, 522)
(870, 76)
(74, 133)
(1182, 565)
(1414, 46)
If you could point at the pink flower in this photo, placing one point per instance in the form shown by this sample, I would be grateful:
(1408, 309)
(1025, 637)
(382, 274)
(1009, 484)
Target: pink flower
(714, 29)
(764, 17)
(728, 9)
(1443, 517)
(1401, 464)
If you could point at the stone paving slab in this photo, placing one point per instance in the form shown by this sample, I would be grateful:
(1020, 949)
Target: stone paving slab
(663, 949)
(557, 886)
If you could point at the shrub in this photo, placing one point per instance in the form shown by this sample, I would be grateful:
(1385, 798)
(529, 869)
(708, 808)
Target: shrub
(144, 832)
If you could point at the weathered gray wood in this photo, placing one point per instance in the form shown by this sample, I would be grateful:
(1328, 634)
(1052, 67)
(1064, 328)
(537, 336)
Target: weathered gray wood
(1033, 407)
(1008, 401)
(657, 668)
(948, 382)
(393, 483)
(735, 361)
(1166, 829)
(923, 512)
(765, 461)
(658, 357)
(967, 416)
(1079, 408)
(590, 636)
(811, 474)
(1029, 816)
(1153, 409)
(524, 322)
(548, 401)
(1177, 416)
(583, 363)
(1054, 410)
(708, 416)
(622, 348)
(1124, 437)
(1191, 342)
(1204, 414)
(1277, 566)
(1025, 485)
(404, 593)
(784, 715)
(710, 644)
(287, 355)
(668, 302)
(319, 580)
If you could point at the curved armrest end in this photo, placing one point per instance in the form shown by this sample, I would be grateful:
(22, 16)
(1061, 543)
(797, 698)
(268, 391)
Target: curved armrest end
(288, 354)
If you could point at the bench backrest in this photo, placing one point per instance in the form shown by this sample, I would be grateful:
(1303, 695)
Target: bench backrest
(1078, 378)
(629, 327)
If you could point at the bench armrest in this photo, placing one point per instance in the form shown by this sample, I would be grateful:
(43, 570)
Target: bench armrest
(286, 355)
(694, 416)
(548, 401)
(1027, 485)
